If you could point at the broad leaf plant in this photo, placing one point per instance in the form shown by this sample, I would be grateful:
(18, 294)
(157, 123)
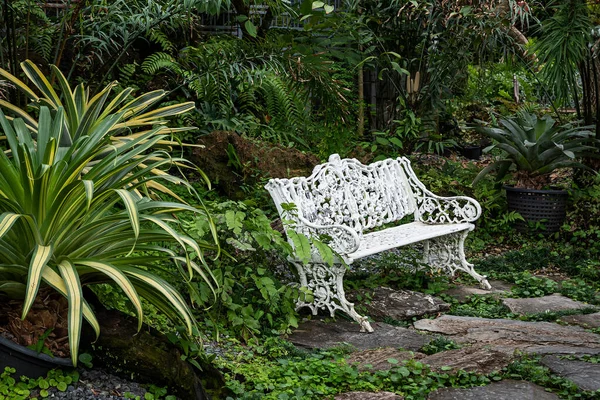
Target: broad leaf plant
(535, 147)
(80, 200)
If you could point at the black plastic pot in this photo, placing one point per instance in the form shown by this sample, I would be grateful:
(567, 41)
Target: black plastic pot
(548, 207)
(472, 152)
(28, 362)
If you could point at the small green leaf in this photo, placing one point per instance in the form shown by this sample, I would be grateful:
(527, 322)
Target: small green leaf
(328, 9)
(305, 7)
(235, 220)
(466, 10)
(382, 141)
(397, 142)
(317, 4)
(399, 69)
(250, 28)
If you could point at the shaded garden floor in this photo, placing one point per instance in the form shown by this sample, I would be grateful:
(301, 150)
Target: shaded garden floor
(535, 336)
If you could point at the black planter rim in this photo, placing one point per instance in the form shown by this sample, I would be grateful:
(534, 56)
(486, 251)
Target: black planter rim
(63, 362)
(559, 192)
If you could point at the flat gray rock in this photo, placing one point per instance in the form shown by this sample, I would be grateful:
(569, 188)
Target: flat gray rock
(504, 390)
(368, 396)
(584, 374)
(535, 305)
(318, 334)
(461, 292)
(379, 359)
(584, 320)
(401, 304)
(508, 335)
(480, 359)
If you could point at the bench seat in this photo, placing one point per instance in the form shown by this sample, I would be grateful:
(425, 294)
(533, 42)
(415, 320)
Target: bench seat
(402, 235)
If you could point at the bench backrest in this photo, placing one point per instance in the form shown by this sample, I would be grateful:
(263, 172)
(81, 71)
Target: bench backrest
(346, 192)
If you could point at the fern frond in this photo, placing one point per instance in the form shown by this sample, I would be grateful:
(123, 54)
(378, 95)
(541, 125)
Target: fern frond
(161, 38)
(126, 73)
(160, 61)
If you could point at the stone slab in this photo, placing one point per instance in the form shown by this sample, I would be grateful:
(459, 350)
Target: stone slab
(584, 320)
(535, 305)
(480, 359)
(504, 390)
(509, 335)
(461, 292)
(318, 334)
(377, 359)
(584, 374)
(401, 304)
(368, 396)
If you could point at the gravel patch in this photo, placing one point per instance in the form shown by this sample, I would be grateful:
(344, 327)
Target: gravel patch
(97, 384)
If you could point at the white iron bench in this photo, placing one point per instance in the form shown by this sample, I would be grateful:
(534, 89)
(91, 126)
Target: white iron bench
(346, 200)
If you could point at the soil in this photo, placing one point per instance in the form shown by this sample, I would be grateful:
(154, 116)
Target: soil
(48, 316)
(232, 161)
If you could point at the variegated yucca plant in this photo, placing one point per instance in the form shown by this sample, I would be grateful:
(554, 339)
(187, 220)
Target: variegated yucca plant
(80, 201)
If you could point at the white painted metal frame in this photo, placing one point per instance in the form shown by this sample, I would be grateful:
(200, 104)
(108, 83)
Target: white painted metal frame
(346, 200)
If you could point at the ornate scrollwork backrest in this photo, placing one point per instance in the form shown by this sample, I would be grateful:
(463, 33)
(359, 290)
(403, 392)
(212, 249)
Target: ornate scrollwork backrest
(346, 192)
(381, 191)
(325, 198)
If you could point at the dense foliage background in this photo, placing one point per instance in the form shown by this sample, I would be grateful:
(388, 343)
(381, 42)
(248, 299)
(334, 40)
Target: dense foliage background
(363, 78)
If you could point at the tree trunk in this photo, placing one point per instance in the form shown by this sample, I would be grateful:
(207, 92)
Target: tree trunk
(520, 39)
(361, 101)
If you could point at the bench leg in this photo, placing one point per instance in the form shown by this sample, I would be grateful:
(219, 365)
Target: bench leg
(327, 284)
(448, 252)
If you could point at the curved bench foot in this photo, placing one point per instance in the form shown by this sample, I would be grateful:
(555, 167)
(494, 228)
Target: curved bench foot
(485, 284)
(365, 326)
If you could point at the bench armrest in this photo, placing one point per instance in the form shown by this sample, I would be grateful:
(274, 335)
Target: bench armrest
(343, 239)
(433, 209)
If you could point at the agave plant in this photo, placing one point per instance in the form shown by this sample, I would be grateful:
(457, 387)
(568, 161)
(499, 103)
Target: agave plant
(77, 207)
(536, 147)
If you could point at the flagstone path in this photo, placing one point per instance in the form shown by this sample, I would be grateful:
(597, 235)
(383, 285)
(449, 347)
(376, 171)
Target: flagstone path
(487, 344)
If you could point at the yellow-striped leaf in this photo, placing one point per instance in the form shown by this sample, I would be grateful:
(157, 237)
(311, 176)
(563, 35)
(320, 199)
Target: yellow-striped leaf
(75, 298)
(68, 96)
(168, 111)
(120, 279)
(20, 113)
(162, 287)
(132, 210)
(40, 81)
(53, 279)
(7, 220)
(39, 260)
(19, 84)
